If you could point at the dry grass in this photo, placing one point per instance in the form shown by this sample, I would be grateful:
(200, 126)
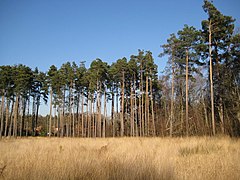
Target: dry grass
(120, 158)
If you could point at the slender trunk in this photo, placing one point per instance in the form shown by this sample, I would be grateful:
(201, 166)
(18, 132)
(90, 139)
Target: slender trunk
(172, 99)
(135, 106)
(37, 109)
(211, 78)
(20, 116)
(112, 114)
(55, 120)
(89, 114)
(50, 114)
(33, 117)
(122, 106)
(24, 114)
(147, 107)
(28, 115)
(187, 93)
(87, 120)
(105, 114)
(90, 120)
(62, 120)
(140, 115)
(142, 111)
(93, 118)
(181, 106)
(132, 112)
(78, 114)
(11, 120)
(99, 109)
(82, 115)
(2, 114)
(7, 117)
(152, 106)
(73, 117)
(15, 116)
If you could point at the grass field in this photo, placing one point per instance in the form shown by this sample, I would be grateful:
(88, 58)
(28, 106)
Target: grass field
(120, 158)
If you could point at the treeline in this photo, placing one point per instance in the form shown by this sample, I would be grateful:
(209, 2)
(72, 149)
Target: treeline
(199, 93)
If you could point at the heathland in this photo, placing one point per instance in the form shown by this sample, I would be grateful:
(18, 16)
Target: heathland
(120, 158)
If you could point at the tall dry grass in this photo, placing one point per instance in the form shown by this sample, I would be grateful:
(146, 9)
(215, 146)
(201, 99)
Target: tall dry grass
(120, 158)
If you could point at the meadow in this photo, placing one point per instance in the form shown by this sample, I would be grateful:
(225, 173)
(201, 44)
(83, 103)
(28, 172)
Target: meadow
(120, 158)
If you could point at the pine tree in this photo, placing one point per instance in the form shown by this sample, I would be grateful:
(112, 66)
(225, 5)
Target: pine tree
(217, 31)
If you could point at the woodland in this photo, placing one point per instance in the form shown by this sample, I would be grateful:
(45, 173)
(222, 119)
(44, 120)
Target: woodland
(198, 93)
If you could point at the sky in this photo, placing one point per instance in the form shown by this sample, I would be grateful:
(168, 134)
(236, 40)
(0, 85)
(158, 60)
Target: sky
(40, 33)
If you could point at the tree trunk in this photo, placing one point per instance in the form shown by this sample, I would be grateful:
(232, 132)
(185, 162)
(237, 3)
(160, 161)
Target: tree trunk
(211, 78)
(112, 114)
(140, 115)
(11, 120)
(73, 116)
(122, 106)
(82, 115)
(20, 116)
(37, 109)
(15, 117)
(99, 109)
(172, 99)
(105, 114)
(7, 117)
(50, 114)
(147, 107)
(132, 112)
(152, 106)
(187, 92)
(135, 106)
(2, 114)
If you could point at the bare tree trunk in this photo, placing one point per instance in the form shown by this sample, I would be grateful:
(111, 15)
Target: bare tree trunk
(152, 106)
(28, 115)
(62, 120)
(135, 107)
(11, 120)
(94, 120)
(105, 114)
(82, 115)
(90, 120)
(172, 100)
(21, 117)
(33, 116)
(99, 108)
(50, 115)
(181, 106)
(122, 106)
(15, 116)
(7, 117)
(147, 107)
(112, 115)
(132, 112)
(89, 110)
(142, 111)
(140, 115)
(73, 116)
(2, 114)
(211, 78)
(55, 120)
(187, 126)
(78, 115)
(37, 109)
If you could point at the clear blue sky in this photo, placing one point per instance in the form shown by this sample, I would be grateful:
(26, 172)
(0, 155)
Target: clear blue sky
(45, 32)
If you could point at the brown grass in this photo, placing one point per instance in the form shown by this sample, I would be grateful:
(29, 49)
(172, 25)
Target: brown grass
(120, 158)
